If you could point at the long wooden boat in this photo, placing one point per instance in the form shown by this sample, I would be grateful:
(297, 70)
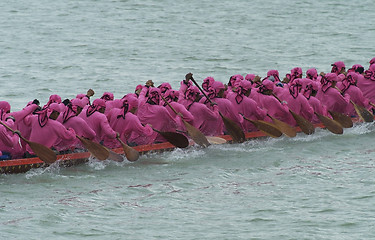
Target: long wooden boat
(66, 160)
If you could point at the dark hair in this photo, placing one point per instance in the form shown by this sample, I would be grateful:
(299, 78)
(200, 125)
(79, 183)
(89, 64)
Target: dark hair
(360, 70)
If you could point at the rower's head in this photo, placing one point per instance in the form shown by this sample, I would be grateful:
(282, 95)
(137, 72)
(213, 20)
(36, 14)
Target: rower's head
(107, 96)
(275, 74)
(171, 95)
(245, 88)
(338, 67)
(164, 87)
(312, 74)
(98, 105)
(358, 68)
(267, 87)
(53, 111)
(372, 61)
(77, 105)
(207, 83)
(4, 107)
(192, 94)
(154, 96)
(218, 89)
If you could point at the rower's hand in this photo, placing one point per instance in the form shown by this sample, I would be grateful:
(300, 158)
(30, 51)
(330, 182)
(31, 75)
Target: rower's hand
(90, 93)
(188, 76)
(36, 101)
(257, 79)
(150, 83)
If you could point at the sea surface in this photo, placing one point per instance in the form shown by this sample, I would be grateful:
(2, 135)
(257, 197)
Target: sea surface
(320, 186)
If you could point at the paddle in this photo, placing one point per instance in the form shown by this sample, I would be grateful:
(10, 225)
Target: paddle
(233, 129)
(97, 150)
(330, 124)
(174, 138)
(216, 140)
(284, 127)
(268, 128)
(344, 120)
(306, 126)
(44, 153)
(131, 154)
(193, 132)
(362, 112)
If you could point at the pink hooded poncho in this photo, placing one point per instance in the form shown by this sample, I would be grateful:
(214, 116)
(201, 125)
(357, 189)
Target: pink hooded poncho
(205, 119)
(273, 107)
(349, 86)
(310, 86)
(151, 112)
(128, 125)
(69, 119)
(296, 101)
(246, 106)
(312, 74)
(97, 121)
(46, 131)
(331, 97)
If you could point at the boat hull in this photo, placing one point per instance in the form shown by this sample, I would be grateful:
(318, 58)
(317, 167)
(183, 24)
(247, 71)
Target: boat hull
(66, 160)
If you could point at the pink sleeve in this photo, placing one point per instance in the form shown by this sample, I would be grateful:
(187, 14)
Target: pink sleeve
(63, 133)
(20, 115)
(107, 130)
(5, 137)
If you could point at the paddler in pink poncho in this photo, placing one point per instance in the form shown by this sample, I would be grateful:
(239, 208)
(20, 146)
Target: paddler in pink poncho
(151, 112)
(172, 97)
(372, 61)
(164, 87)
(349, 86)
(366, 82)
(294, 74)
(205, 119)
(295, 101)
(18, 115)
(246, 106)
(330, 96)
(225, 106)
(95, 118)
(46, 130)
(69, 119)
(10, 147)
(274, 108)
(309, 90)
(124, 121)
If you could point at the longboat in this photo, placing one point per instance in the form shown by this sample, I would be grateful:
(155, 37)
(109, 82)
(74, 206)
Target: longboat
(23, 165)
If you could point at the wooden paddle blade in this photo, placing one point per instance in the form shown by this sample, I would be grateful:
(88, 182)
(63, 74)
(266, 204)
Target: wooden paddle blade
(97, 150)
(174, 138)
(284, 127)
(216, 140)
(268, 128)
(344, 120)
(306, 126)
(196, 135)
(130, 153)
(115, 156)
(234, 130)
(363, 113)
(44, 153)
(330, 124)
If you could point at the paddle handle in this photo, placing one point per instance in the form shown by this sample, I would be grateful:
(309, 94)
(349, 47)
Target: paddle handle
(13, 131)
(174, 110)
(200, 89)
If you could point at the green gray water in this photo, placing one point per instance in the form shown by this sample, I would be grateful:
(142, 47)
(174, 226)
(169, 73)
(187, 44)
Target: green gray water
(309, 187)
